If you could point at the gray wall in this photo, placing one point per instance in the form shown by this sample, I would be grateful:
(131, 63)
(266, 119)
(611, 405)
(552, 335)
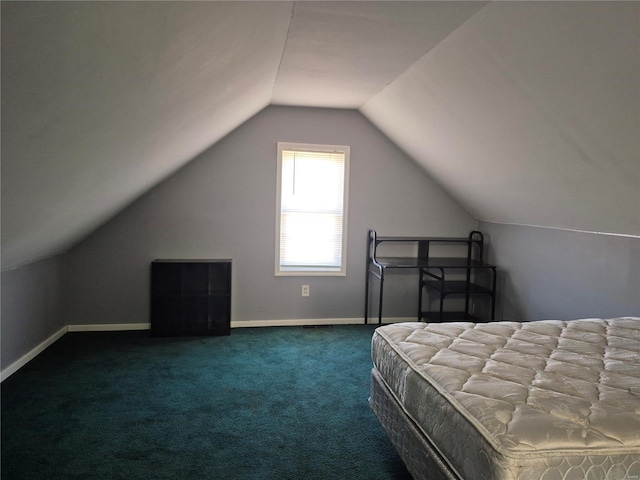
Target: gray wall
(222, 205)
(31, 307)
(559, 274)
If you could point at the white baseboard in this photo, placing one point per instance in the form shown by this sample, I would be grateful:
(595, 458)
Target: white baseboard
(291, 322)
(301, 322)
(119, 327)
(295, 322)
(109, 327)
(374, 320)
(30, 355)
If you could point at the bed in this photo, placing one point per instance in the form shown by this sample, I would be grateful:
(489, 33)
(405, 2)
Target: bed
(511, 401)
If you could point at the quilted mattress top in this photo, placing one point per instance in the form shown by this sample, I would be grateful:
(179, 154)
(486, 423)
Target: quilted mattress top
(530, 387)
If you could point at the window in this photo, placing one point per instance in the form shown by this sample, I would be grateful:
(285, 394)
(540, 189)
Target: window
(311, 210)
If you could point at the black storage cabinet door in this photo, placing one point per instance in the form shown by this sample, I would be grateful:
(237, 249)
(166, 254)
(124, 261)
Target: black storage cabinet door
(190, 297)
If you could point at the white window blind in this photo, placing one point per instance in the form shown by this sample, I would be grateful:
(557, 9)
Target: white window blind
(312, 209)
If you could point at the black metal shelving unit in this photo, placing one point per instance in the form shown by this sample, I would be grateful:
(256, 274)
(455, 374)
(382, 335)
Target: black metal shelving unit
(458, 276)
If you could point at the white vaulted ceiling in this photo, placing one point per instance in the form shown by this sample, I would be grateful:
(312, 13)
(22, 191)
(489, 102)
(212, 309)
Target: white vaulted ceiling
(529, 113)
(340, 54)
(102, 100)
(526, 112)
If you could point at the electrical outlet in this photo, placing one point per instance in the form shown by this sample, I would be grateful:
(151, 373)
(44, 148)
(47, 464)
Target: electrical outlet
(305, 290)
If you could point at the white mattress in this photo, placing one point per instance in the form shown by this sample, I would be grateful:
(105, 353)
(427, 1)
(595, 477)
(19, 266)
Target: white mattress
(505, 400)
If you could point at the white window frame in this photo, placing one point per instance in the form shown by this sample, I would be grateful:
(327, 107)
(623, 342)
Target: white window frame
(315, 270)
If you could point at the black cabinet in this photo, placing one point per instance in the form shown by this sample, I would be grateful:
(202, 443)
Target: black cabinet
(190, 297)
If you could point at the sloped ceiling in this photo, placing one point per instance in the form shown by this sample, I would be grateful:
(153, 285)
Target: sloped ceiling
(101, 100)
(529, 114)
(526, 112)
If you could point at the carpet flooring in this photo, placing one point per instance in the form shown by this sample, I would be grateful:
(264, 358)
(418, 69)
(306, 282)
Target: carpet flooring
(262, 403)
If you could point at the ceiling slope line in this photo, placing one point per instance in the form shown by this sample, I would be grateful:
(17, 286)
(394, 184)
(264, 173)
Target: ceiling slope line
(574, 230)
(284, 49)
(410, 67)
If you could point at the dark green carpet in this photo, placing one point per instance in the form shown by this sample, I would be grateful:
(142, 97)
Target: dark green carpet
(263, 403)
